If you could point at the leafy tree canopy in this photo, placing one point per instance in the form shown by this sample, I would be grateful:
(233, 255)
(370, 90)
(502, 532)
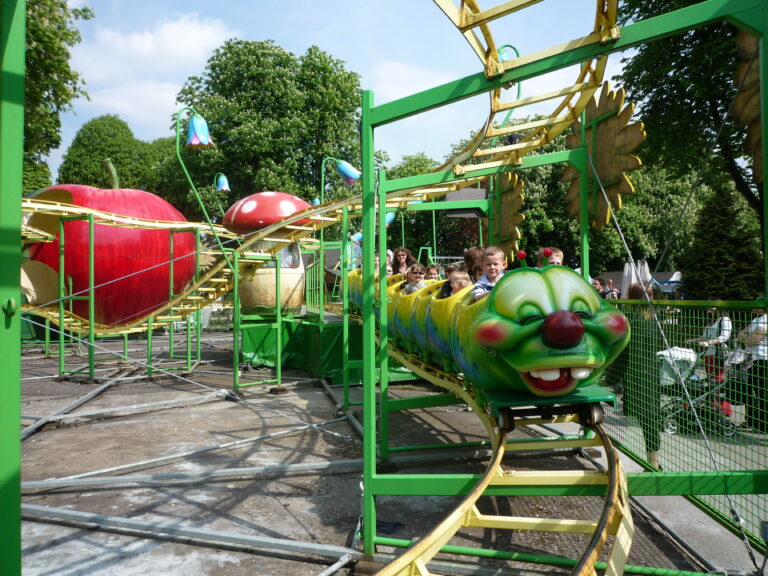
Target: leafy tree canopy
(37, 176)
(273, 117)
(107, 137)
(51, 84)
(725, 260)
(684, 88)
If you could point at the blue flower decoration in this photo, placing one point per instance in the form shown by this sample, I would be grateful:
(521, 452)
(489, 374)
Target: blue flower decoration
(222, 184)
(197, 133)
(348, 172)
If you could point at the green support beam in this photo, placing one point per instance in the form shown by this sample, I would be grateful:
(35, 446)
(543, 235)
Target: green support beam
(642, 484)
(659, 27)
(12, 40)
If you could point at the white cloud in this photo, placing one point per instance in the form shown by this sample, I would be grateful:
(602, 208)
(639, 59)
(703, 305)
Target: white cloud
(146, 106)
(172, 49)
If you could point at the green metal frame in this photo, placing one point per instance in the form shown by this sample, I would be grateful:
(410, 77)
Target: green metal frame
(750, 14)
(242, 322)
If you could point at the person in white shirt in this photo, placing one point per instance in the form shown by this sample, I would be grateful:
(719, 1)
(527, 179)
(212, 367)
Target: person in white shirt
(714, 340)
(754, 339)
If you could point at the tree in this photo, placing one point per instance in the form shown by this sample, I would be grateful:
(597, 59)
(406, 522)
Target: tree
(644, 219)
(37, 176)
(51, 84)
(724, 260)
(273, 118)
(684, 90)
(105, 137)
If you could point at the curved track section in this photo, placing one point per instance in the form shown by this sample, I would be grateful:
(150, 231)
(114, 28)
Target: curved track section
(474, 23)
(615, 518)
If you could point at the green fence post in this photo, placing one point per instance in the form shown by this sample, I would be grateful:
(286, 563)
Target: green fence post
(12, 40)
(369, 328)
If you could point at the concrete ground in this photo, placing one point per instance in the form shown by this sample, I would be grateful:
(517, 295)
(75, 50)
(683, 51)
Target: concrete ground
(175, 475)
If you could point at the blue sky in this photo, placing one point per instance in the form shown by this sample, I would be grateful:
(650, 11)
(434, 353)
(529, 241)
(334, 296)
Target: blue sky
(135, 55)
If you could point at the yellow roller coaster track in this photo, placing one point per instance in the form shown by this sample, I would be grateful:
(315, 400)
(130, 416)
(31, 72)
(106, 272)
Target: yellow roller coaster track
(615, 517)
(473, 24)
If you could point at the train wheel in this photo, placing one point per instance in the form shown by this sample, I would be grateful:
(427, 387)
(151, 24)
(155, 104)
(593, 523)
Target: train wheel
(591, 415)
(505, 420)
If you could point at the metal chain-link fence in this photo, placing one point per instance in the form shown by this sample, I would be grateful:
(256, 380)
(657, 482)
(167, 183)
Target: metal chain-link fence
(692, 393)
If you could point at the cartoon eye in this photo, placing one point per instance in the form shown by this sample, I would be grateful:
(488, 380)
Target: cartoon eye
(530, 313)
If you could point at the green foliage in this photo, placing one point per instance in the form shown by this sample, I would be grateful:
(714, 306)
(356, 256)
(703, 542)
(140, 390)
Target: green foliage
(659, 218)
(37, 176)
(273, 118)
(725, 259)
(647, 218)
(107, 137)
(417, 229)
(51, 85)
(684, 87)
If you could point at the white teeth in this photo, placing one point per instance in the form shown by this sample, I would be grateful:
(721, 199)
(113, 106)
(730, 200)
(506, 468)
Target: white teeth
(577, 373)
(580, 373)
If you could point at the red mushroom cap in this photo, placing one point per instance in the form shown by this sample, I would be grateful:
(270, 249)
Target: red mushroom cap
(262, 209)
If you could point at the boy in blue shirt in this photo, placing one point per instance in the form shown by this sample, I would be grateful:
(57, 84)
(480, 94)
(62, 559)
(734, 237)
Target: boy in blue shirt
(494, 263)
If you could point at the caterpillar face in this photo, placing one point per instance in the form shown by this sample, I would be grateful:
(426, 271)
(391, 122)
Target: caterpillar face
(545, 331)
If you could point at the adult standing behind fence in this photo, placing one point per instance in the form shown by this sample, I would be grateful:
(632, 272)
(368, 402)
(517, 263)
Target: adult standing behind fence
(642, 388)
(754, 338)
(715, 342)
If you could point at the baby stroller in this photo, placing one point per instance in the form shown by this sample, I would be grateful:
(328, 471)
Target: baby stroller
(677, 367)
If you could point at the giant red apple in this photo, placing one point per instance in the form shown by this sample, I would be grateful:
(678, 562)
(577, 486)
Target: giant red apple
(262, 209)
(131, 265)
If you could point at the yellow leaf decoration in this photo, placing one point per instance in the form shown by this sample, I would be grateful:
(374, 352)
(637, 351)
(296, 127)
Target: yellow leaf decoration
(610, 140)
(508, 216)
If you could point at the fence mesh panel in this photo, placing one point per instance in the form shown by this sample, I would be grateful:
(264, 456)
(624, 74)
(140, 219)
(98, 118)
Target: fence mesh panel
(692, 385)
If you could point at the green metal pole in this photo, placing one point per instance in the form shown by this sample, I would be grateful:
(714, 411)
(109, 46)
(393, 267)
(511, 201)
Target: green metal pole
(47, 338)
(279, 327)
(170, 297)
(91, 299)
(434, 232)
(61, 290)
(382, 360)
(583, 167)
(149, 346)
(763, 60)
(189, 342)
(321, 252)
(369, 328)
(236, 320)
(12, 40)
(344, 307)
